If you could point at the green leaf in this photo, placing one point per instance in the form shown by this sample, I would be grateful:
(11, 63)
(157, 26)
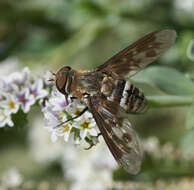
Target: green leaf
(92, 7)
(20, 119)
(190, 118)
(169, 101)
(187, 142)
(166, 79)
(190, 50)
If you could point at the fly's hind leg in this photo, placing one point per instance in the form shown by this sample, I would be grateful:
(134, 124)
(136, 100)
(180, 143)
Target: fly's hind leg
(92, 142)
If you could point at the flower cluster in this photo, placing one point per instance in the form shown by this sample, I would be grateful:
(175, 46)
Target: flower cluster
(11, 179)
(19, 90)
(83, 169)
(97, 163)
(58, 110)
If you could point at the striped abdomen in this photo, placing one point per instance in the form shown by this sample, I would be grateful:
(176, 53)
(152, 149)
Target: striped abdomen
(128, 96)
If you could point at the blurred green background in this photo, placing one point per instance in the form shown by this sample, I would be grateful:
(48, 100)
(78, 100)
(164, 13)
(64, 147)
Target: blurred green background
(45, 35)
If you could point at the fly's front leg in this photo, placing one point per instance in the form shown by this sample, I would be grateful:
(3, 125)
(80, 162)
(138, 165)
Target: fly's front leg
(80, 114)
(73, 98)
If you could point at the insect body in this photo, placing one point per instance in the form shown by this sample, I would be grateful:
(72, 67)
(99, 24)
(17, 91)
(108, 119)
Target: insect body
(110, 98)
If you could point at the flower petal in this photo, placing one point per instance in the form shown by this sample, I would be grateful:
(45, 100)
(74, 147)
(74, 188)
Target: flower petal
(83, 133)
(54, 137)
(93, 132)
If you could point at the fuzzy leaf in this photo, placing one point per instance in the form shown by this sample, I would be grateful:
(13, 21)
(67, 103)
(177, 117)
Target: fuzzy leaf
(190, 118)
(187, 142)
(190, 50)
(166, 79)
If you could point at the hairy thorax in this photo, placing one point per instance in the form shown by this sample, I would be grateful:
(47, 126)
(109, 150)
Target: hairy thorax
(86, 82)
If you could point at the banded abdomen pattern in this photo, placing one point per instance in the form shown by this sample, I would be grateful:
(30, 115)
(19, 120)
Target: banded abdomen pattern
(128, 96)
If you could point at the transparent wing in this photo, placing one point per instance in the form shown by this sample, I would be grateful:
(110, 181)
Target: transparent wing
(118, 133)
(135, 57)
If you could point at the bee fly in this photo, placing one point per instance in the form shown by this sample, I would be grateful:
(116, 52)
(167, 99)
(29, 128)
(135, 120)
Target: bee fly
(110, 97)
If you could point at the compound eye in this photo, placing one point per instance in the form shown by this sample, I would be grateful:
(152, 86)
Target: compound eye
(60, 83)
(63, 73)
(61, 78)
(68, 68)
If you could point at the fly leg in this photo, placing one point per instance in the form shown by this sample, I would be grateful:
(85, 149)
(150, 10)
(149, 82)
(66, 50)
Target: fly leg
(93, 142)
(80, 114)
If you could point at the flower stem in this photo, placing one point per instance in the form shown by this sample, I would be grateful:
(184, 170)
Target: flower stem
(169, 101)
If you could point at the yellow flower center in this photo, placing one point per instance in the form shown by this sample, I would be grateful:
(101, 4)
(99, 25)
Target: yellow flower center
(11, 104)
(66, 127)
(77, 112)
(85, 125)
(22, 99)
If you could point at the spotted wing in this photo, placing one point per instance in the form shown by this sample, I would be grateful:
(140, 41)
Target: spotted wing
(133, 58)
(118, 133)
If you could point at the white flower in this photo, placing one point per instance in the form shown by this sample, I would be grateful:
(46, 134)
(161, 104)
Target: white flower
(25, 99)
(91, 185)
(186, 5)
(8, 66)
(19, 78)
(58, 101)
(97, 164)
(12, 178)
(86, 124)
(57, 110)
(55, 114)
(8, 87)
(53, 119)
(10, 104)
(37, 90)
(5, 119)
(62, 130)
(151, 145)
(41, 146)
(75, 108)
(50, 116)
